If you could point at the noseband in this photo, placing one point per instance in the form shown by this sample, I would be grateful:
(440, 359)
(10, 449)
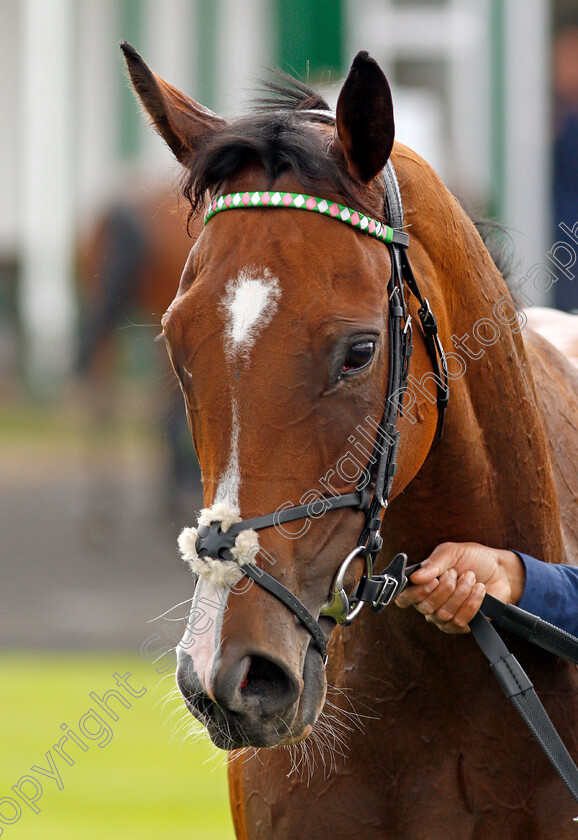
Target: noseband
(379, 590)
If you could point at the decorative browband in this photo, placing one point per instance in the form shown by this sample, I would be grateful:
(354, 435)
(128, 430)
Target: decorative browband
(299, 201)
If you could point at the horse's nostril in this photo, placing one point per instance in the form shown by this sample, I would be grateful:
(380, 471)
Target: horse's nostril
(265, 688)
(263, 677)
(255, 686)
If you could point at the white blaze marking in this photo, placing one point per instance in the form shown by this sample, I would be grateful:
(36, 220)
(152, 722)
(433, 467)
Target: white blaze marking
(228, 489)
(249, 304)
(203, 631)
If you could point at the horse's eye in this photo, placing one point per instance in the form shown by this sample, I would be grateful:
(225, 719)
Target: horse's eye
(358, 356)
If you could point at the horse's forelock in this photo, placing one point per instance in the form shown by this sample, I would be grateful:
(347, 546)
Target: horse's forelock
(288, 93)
(277, 139)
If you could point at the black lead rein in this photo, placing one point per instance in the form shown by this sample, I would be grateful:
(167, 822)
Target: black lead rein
(512, 678)
(515, 682)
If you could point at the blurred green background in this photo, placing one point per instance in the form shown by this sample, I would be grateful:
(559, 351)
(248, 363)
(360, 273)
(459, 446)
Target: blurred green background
(145, 783)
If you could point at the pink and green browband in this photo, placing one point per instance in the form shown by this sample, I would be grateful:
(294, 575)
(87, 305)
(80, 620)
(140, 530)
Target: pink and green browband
(298, 201)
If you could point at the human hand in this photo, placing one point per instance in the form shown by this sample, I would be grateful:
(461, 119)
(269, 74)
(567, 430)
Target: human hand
(450, 585)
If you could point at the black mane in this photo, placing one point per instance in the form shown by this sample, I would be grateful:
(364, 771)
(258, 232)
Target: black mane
(276, 137)
(498, 240)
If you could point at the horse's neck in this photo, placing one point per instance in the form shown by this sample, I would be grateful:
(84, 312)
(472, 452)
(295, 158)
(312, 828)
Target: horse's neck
(489, 479)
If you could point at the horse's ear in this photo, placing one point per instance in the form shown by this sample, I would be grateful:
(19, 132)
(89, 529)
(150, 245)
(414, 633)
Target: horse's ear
(180, 121)
(365, 126)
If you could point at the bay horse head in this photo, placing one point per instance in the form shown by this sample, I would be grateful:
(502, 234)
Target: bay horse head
(280, 336)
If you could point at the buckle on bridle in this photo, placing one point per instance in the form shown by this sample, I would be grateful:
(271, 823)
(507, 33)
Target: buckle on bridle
(427, 318)
(381, 590)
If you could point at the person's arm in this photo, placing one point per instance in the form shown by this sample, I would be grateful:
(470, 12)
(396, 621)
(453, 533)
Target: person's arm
(451, 583)
(551, 592)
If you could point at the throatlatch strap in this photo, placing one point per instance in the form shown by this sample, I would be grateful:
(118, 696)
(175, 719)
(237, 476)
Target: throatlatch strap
(518, 688)
(433, 344)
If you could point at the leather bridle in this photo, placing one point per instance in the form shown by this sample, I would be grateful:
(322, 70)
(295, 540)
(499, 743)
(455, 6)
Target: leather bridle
(379, 590)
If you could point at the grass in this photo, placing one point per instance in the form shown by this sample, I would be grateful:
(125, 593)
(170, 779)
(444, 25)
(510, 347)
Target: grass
(146, 782)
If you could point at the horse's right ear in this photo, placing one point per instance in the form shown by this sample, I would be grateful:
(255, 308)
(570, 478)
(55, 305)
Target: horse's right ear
(180, 121)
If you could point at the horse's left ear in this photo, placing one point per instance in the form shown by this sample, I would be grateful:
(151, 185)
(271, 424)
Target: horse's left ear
(365, 126)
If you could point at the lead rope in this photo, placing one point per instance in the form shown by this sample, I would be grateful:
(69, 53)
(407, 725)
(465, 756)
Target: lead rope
(380, 590)
(515, 682)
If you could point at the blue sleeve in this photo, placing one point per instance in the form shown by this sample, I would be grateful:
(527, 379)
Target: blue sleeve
(551, 592)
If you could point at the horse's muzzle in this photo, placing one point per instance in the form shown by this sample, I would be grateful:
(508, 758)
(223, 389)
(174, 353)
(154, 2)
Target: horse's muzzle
(255, 700)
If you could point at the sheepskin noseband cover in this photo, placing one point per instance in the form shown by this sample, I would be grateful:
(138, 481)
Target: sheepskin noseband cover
(211, 555)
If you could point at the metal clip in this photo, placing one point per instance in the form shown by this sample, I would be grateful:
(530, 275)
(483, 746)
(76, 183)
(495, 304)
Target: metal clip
(338, 606)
